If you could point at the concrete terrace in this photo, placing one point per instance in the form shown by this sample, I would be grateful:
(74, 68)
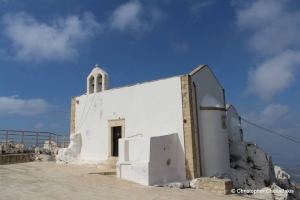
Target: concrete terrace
(47, 180)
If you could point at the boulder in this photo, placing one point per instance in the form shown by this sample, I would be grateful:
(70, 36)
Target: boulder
(264, 194)
(56, 150)
(50, 145)
(69, 155)
(282, 178)
(251, 167)
(75, 143)
(20, 148)
(44, 158)
(9, 151)
(37, 150)
(242, 179)
(262, 162)
(278, 193)
(238, 150)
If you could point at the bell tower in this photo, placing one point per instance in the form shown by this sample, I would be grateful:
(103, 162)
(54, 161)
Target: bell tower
(97, 80)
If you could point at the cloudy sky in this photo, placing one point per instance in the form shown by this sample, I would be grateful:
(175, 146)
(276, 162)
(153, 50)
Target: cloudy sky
(48, 47)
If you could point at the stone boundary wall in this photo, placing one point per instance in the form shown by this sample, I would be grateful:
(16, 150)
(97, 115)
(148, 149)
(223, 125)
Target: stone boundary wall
(189, 131)
(14, 158)
(219, 186)
(73, 111)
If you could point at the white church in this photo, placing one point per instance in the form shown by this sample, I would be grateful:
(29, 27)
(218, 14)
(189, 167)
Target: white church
(162, 131)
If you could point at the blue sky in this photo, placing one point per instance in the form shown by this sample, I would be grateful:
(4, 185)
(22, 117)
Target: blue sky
(47, 49)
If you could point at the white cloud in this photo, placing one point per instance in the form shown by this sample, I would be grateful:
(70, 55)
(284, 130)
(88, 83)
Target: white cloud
(37, 126)
(54, 125)
(273, 27)
(197, 8)
(130, 17)
(274, 35)
(182, 46)
(272, 113)
(274, 75)
(258, 14)
(26, 107)
(58, 40)
(269, 116)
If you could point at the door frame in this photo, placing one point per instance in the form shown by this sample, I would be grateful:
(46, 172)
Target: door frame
(113, 123)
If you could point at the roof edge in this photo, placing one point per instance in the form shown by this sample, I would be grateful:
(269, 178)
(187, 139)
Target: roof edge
(197, 69)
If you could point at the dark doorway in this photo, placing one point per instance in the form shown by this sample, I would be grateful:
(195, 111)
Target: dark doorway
(117, 133)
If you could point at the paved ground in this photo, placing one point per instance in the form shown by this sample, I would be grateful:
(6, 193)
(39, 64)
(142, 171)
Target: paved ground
(46, 180)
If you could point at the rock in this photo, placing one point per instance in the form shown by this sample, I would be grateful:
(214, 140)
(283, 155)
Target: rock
(0, 150)
(279, 193)
(37, 150)
(241, 179)
(178, 185)
(251, 168)
(55, 152)
(282, 178)
(31, 148)
(5, 146)
(20, 148)
(50, 142)
(264, 194)
(45, 151)
(220, 176)
(262, 162)
(238, 150)
(195, 184)
(283, 181)
(44, 158)
(9, 151)
(50, 145)
(75, 143)
(65, 155)
(69, 155)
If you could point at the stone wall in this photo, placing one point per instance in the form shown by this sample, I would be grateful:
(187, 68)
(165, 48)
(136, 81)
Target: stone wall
(189, 130)
(73, 110)
(219, 186)
(14, 158)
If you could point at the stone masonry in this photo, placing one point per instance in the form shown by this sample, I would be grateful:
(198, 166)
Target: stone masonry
(219, 186)
(73, 110)
(14, 158)
(188, 128)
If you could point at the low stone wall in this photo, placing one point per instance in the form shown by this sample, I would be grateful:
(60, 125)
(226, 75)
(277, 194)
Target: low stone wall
(14, 158)
(219, 186)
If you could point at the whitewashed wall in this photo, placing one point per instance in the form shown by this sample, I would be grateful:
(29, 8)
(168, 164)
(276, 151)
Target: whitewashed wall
(234, 125)
(213, 139)
(152, 109)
